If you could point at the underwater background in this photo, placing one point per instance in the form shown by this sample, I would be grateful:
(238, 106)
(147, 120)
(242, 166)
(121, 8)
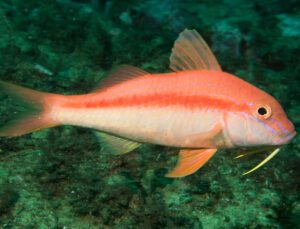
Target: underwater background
(61, 178)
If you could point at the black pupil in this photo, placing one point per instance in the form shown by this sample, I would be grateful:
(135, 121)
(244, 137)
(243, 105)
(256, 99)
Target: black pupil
(262, 111)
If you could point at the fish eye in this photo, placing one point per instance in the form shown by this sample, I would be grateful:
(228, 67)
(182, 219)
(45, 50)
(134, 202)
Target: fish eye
(263, 111)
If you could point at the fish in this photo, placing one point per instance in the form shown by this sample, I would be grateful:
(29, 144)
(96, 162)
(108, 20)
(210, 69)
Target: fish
(196, 107)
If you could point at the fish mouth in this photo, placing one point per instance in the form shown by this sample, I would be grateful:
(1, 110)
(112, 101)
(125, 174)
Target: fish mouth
(286, 139)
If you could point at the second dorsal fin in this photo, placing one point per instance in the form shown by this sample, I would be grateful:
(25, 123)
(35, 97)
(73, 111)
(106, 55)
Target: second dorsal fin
(190, 52)
(119, 75)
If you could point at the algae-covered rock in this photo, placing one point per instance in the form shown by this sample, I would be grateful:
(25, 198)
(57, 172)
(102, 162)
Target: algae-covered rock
(63, 178)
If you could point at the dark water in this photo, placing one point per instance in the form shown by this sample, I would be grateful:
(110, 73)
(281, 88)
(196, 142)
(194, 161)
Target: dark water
(60, 178)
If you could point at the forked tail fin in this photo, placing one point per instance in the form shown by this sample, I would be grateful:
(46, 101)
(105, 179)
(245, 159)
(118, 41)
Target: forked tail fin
(36, 115)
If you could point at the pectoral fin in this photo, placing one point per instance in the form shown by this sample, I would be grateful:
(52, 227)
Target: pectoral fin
(116, 144)
(208, 140)
(190, 161)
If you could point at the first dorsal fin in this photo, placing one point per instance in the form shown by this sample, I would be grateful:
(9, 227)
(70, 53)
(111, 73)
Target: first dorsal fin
(190, 52)
(119, 75)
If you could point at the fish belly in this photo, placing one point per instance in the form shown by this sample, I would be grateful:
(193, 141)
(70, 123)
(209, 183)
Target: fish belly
(170, 126)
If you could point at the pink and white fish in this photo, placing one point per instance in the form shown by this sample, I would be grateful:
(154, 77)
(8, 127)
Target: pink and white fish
(197, 108)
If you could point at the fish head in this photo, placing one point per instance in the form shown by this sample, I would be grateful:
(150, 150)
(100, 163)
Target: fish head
(263, 122)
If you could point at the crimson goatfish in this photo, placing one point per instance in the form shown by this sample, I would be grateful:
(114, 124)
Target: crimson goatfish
(197, 108)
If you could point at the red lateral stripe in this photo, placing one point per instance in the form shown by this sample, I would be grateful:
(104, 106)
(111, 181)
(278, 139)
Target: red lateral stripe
(157, 100)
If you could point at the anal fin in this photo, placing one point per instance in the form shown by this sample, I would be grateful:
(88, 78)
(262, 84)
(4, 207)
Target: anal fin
(190, 161)
(116, 144)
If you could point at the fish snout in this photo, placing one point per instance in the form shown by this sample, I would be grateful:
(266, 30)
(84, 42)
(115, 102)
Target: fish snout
(286, 133)
(287, 138)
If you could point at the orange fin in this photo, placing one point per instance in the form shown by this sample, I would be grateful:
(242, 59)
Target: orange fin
(190, 52)
(33, 118)
(119, 75)
(190, 161)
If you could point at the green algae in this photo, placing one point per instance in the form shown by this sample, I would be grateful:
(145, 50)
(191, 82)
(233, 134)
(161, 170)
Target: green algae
(60, 178)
